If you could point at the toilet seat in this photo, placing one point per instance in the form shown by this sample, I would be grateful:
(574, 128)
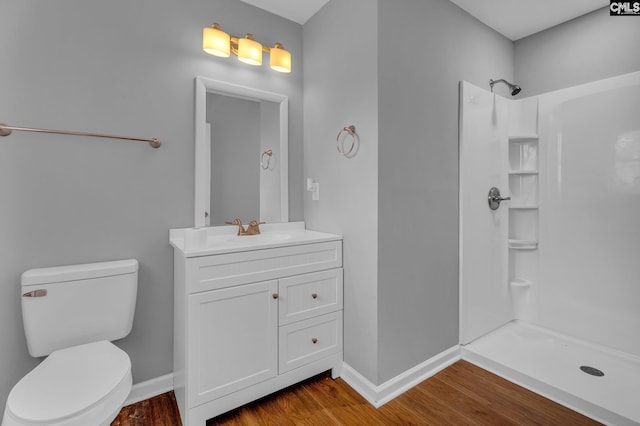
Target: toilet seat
(81, 385)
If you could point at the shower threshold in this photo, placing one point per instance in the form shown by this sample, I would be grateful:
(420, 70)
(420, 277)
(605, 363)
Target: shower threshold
(549, 363)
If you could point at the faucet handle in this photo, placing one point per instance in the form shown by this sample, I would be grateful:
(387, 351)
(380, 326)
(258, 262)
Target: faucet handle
(254, 227)
(237, 222)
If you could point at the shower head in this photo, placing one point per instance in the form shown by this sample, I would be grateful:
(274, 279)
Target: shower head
(514, 88)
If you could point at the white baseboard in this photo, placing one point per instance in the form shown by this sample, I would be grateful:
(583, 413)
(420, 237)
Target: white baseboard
(378, 395)
(150, 388)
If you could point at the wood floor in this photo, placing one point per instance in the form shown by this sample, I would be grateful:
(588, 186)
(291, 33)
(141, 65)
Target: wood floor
(462, 394)
(161, 410)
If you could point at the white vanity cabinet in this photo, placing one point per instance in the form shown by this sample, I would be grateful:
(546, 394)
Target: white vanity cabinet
(250, 322)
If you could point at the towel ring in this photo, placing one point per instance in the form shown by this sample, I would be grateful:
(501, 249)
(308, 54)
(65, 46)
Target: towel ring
(269, 154)
(351, 131)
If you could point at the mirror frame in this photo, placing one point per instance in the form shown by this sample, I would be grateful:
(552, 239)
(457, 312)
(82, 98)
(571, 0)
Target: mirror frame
(203, 154)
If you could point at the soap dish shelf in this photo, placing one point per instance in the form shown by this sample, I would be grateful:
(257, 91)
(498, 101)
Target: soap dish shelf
(523, 206)
(520, 283)
(523, 138)
(523, 172)
(523, 244)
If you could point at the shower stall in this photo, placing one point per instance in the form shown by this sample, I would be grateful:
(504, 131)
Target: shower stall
(550, 279)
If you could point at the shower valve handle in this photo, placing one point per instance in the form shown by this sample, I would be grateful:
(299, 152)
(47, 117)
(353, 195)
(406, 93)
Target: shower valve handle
(501, 199)
(495, 198)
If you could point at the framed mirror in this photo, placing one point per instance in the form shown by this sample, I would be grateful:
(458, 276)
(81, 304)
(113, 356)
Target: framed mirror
(241, 167)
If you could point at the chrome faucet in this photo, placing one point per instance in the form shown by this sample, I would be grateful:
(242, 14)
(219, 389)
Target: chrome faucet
(252, 229)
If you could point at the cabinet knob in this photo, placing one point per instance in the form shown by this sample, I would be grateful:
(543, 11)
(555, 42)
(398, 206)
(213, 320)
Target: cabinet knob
(274, 295)
(314, 340)
(314, 295)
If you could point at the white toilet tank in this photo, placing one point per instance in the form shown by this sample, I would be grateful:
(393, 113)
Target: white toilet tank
(66, 306)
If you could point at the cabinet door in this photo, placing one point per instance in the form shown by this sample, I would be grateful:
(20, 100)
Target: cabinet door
(232, 339)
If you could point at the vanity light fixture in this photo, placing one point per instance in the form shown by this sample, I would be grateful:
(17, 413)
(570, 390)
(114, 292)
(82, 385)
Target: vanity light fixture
(280, 59)
(249, 50)
(218, 43)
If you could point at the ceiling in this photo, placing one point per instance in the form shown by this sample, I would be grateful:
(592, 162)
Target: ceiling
(294, 10)
(520, 18)
(512, 18)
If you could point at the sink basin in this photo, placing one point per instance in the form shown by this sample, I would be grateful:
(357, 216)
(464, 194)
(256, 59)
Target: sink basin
(270, 237)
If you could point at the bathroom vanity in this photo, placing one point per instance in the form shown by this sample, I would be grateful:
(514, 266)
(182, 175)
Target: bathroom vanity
(253, 314)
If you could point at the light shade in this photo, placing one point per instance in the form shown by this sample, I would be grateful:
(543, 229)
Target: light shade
(249, 50)
(280, 59)
(216, 42)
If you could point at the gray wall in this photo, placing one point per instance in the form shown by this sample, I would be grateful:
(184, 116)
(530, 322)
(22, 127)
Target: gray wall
(418, 170)
(235, 147)
(340, 87)
(592, 47)
(396, 203)
(125, 68)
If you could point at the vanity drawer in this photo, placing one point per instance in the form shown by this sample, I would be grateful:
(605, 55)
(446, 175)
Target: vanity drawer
(302, 342)
(310, 295)
(226, 270)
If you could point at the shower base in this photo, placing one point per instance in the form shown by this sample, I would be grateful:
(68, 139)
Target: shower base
(548, 363)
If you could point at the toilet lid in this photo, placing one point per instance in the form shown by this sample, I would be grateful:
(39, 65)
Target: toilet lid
(69, 381)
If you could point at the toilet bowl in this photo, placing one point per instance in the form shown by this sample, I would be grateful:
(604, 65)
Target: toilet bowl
(84, 385)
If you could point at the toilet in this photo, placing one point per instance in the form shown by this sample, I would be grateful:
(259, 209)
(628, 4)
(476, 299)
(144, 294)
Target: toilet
(71, 314)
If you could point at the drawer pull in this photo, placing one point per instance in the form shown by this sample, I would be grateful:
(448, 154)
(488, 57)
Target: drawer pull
(314, 340)
(314, 295)
(274, 295)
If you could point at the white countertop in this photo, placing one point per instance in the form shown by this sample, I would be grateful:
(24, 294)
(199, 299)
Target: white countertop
(224, 239)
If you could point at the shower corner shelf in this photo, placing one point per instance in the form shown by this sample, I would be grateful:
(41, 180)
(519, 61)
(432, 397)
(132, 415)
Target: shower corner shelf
(523, 172)
(523, 207)
(523, 244)
(523, 137)
(520, 283)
